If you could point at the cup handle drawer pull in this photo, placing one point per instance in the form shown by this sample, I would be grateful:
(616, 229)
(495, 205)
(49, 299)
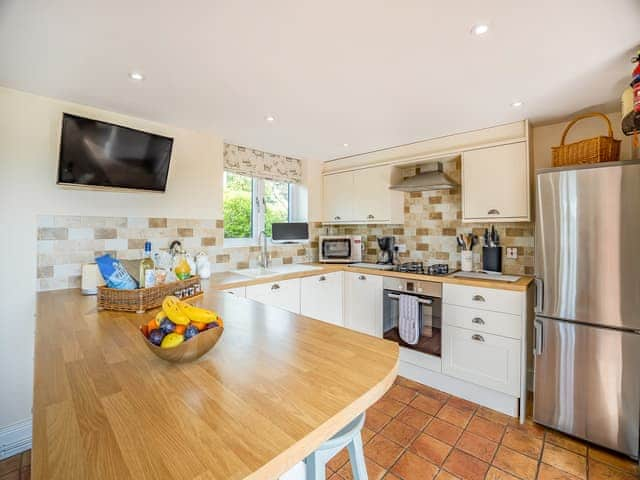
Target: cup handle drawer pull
(336, 217)
(275, 286)
(493, 211)
(322, 278)
(362, 277)
(478, 321)
(478, 298)
(477, 338)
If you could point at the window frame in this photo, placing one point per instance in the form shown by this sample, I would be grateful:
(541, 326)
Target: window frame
(258, 209)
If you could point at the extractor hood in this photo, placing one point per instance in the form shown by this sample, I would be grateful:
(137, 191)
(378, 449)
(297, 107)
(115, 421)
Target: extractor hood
(432, 179)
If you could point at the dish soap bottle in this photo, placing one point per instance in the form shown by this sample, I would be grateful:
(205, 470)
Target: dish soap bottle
(182, 268)
(147, 268)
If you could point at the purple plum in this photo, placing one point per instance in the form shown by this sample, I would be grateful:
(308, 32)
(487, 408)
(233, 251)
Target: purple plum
(156, 336)
(167, 326)
(190, 331)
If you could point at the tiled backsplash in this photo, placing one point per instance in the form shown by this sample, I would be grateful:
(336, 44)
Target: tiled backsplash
(66, 242)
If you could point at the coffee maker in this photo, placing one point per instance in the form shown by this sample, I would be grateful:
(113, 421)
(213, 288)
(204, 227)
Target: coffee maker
(385, 255)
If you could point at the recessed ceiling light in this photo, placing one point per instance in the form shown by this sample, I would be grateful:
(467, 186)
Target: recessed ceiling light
(270, 118)
(480, 29)
(517, 104)
(136, 76)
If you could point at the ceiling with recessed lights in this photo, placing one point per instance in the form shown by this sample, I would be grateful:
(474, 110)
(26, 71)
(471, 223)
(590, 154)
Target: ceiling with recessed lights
(328, 79)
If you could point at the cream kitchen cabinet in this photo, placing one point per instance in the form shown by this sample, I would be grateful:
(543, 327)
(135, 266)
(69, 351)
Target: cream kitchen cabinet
(237, 291)
(363, 196)
(363, 303)
(495, 184)
(284, 294)
(321, 297)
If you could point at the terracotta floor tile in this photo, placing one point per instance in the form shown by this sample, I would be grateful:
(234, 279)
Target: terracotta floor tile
(444, 475)
(486, 428)
(389, 406)
(455, 415)
(424, 390)
(430, 448)
(465, 466)
(335, 476)
(390, 476)
(382, 451)
(426, 404)
(443, 431)
(602, 471)
(523, 443)
(565, 460)
(375, 419)
(374, 471)
(412, 467)
(338, 460)
(401, 393)
(494, 416)
(615, 460)
(566, 442)
(479, 447)
(462, 404)
(547, 472)
(399, 432)
(414, 417)
(529, 428)
(496, 474)
(515, 463)
(367, 434)
(9, 465)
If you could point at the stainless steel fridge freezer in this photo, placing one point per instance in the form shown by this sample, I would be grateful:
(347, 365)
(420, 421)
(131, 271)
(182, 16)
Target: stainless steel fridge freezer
(587, 327)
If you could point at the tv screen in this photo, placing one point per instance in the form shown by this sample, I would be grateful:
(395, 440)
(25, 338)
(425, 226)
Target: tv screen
(106, 155)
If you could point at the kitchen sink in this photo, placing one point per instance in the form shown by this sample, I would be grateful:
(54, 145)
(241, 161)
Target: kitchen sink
(256, 272)
(292, 268)
(260, 272)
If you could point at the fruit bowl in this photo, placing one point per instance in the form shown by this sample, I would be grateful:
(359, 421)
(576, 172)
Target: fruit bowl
(188, 350)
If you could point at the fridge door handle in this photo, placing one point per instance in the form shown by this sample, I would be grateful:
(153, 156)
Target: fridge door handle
(539, 295)
(537, 338)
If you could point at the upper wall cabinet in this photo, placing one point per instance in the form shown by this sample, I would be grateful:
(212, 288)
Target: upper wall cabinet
(363, 196)
(495, 184)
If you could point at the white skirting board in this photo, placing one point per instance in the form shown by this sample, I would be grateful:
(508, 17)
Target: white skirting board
(474, 393)
(15, 438)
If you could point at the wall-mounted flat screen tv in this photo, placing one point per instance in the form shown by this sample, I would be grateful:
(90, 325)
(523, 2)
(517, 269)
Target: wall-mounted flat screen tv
(105, 155)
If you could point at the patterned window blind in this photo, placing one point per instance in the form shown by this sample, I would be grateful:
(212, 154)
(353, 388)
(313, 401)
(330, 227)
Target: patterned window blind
(255, 163)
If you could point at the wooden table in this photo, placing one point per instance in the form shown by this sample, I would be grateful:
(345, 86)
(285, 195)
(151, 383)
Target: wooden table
(270, 392)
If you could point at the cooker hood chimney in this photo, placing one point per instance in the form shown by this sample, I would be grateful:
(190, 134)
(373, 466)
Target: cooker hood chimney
(432, 179)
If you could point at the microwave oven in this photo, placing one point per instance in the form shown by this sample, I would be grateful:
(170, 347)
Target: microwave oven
(340, 249)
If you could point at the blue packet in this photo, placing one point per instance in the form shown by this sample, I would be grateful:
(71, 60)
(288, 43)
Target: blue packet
(114, 274)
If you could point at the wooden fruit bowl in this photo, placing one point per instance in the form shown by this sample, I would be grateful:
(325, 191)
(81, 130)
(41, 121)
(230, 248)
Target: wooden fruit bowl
(188, 350)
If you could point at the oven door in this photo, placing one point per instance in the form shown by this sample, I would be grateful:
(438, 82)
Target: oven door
(430, 341)
(336, 249)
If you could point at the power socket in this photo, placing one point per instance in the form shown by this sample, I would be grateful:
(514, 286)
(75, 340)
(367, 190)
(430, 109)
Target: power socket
(512, 252)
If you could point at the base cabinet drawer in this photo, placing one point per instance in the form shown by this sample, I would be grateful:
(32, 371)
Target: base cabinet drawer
(284, 294)
(483, 321)
(483, 298)
(482, 358)
(321, 297)
(237, 291)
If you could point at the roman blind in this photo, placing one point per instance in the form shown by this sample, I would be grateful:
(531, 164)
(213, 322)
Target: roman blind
(255, 163)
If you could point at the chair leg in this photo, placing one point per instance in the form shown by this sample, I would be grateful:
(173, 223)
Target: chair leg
(315, 467)
(356, 455)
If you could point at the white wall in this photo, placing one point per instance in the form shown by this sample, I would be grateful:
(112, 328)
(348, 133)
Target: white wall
(547, 136)
(29, 142)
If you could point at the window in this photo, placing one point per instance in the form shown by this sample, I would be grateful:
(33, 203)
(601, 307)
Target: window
(252, 205)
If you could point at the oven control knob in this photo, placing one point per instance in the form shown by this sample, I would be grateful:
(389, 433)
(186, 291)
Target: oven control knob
(419, 289)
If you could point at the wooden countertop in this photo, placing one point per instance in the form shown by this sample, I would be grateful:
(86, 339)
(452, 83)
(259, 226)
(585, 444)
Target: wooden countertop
(271, 391)
(222, 281)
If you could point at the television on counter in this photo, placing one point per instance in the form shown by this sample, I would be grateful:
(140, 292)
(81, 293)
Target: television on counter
(102, 154)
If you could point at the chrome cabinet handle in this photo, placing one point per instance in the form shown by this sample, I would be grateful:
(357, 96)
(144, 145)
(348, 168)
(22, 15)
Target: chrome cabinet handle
(362, 277)
(370, 217)
(478, 321)
(477, 338)
(478, 298)
(336, 217)
(322, 278)
(539, 295)
(493, 211)
(275, 286)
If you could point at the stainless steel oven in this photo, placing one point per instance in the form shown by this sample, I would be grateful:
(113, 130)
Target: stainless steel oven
(340, 249)
(429, 296)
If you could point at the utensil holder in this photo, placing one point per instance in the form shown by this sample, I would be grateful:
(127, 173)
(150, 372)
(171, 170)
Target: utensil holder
(492, 259)
(466, 260)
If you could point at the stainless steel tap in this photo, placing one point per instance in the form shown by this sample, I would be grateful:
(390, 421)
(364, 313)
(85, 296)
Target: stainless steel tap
(264, 254)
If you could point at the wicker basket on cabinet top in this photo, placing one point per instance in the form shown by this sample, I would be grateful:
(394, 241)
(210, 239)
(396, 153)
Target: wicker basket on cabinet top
(590, 150)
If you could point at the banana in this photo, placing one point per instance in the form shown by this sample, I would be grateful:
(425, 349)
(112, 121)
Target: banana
(160, 316)
(171, 306)
(197, 314)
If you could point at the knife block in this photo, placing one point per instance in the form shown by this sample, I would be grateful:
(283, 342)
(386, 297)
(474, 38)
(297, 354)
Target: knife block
(492, 259)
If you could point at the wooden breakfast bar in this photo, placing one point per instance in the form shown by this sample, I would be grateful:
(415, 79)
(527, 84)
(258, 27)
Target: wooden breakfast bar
(274, 388)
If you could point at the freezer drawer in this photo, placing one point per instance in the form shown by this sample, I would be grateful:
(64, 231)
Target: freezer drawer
(587, 383)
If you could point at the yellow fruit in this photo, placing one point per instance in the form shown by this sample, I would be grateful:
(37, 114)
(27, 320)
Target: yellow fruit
(196, 314)
(160, 316)
(171, 306)
(172, 340)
